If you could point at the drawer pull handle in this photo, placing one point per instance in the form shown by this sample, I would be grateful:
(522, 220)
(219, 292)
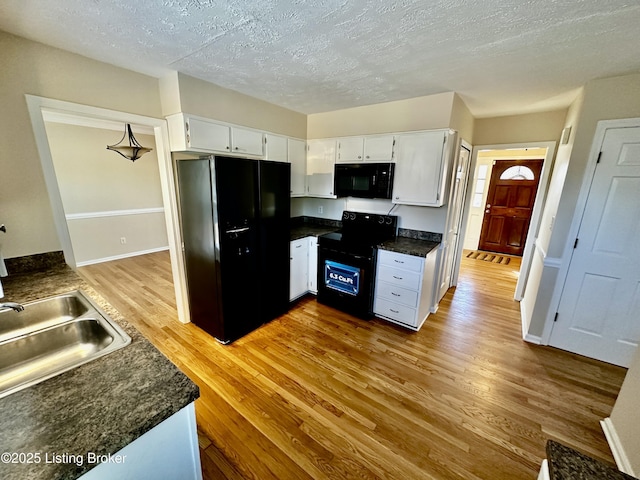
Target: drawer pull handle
(394, 311)
(298, 246)
(398, 261)
(397, 278)
(395, 294)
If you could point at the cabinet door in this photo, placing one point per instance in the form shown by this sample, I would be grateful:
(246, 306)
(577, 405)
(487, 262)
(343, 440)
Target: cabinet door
(321, 158)
(313, 264)
(246, 142)
(350, 150)
(297, 153)
(419, 173)
(276, 147)
(299, 268)
(207, 136)
(378, 148)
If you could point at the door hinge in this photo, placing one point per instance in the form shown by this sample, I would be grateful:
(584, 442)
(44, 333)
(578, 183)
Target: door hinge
(555, 319)
(265, 140)
(599, 156)
(575, 244)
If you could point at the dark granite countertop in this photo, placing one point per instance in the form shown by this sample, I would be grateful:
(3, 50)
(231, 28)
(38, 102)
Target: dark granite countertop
(99, 407)
(567, 464)
(409, 246)
(312, 227)
(309, 230)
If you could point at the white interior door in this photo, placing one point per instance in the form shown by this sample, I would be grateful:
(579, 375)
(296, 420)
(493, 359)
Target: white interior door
(599, 312)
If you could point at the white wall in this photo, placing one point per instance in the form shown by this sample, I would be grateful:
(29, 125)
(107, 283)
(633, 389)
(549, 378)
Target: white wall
(105, 196)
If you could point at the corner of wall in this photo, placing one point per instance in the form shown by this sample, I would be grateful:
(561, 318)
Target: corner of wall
(170, 94)
(462, 119)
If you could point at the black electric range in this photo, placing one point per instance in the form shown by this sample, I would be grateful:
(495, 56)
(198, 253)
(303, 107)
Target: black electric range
(347, 261)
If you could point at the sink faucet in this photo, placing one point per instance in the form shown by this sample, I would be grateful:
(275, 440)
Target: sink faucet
(12, 305)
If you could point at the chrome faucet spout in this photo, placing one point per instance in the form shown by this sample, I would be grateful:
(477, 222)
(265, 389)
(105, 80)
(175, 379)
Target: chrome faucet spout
(12, 305)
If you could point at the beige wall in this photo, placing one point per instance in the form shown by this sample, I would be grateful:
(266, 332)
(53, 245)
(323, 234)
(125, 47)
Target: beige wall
(604, 99)
(532, 127)
(205, 99)
(94, 180)
(421, 113)
(33, 68)
(461, 120)
(537, 296)
(624, 415)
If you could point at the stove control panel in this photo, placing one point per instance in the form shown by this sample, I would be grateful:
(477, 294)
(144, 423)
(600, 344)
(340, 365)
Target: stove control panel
(361, 218)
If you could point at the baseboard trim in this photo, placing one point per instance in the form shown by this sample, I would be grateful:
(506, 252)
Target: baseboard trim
(120, 257)
(622, 461)
(535, 339)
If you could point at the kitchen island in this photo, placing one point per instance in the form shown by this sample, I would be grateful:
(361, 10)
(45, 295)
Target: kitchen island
(92, 412)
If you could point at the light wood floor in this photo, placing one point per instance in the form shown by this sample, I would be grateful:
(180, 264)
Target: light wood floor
(318, 394)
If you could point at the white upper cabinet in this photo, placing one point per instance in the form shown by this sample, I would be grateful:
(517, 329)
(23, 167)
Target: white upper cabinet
(378, 148)
(188, 133)
(275, 148)
(246, 142)
(297, 154)
(321, 158)
(350, 150)
(370, 148)
(422, 160)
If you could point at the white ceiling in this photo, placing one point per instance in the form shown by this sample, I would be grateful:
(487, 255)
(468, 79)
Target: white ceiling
(501, 56)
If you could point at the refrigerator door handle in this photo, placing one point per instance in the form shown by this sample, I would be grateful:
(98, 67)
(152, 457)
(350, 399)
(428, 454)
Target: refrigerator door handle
(237, 230)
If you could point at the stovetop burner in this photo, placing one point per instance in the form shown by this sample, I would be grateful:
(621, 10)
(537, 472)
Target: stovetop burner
(360, 231)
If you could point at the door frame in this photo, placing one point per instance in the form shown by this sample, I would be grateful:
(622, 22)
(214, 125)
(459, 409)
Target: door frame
(493, 180)
(536, 216)
(458, 217)
(567, 254)
(36, 105)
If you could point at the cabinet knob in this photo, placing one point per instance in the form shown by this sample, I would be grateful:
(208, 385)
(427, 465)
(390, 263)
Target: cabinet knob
(237, 148)
(227, 147)
(359, 156)
(368, 156)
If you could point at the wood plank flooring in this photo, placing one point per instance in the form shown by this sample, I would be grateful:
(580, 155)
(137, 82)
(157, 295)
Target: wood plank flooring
(319, 394)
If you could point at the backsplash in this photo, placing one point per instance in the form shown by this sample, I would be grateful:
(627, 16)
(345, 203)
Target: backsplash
(34, 263)
(321, 222)
(420, 235)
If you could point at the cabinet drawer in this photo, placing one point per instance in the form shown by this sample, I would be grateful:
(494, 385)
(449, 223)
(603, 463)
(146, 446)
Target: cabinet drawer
(400, 260)
(400, 278)
(397, 294)
(396, 311)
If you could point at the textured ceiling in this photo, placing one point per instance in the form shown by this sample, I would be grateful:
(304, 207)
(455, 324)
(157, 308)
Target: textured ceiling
(501, 56)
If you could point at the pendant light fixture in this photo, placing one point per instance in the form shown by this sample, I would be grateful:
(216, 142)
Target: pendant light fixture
(133, 151)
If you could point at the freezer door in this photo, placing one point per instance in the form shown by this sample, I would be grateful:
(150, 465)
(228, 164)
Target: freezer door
(200, 246)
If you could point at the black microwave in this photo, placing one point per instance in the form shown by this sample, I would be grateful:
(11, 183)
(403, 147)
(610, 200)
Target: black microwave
(364, 180)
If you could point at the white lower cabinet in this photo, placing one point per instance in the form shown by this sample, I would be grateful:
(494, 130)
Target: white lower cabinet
(313, 265)
(168, 450)
(404, 288)
(299, 268)
(304, 267)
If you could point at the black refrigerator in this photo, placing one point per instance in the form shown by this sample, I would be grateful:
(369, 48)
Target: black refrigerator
(235, 215)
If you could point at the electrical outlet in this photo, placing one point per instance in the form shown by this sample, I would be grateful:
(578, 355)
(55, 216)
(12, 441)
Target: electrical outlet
(123, 240)
(320, 209)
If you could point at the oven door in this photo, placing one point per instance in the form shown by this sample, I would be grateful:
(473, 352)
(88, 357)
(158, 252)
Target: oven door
(345, 281)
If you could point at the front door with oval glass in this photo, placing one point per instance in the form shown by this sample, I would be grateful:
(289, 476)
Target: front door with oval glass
(507, 214)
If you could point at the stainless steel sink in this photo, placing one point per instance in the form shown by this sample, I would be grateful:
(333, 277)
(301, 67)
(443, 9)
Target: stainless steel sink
(52, 336)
